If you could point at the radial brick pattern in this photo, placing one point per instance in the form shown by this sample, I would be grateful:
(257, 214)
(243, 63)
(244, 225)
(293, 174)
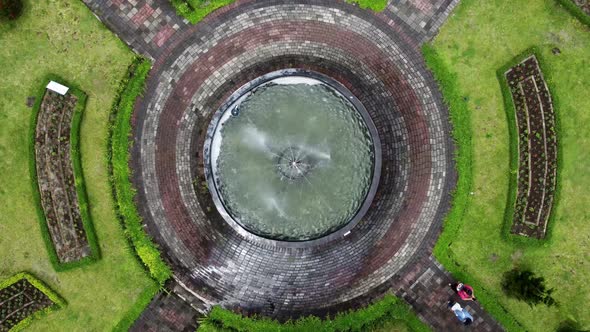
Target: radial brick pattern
(197, 68)
(191, 80)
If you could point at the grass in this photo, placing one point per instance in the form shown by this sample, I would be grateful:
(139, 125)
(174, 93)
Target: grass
(78, 174)
(388, 312)
(63, 37)
(118, 155)
(473, 245)
(196, 10)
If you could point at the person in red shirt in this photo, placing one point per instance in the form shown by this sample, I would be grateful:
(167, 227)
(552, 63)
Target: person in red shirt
(465, 292)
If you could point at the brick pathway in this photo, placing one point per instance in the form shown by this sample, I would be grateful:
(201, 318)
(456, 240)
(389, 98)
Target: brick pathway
(196, 68)
(147, 25)
(425, 288)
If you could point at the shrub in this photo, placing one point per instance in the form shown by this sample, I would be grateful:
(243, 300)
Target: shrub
(525, 286)
(131, 87)
(386, 309)
(10, 9)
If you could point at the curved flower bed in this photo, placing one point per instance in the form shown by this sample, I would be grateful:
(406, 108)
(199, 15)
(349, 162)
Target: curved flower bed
(21, 297)
(61, 191)
(537, 148)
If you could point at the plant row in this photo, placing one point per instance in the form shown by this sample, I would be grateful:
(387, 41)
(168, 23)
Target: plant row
(537, 148)
(59, 179)
(21, 298)
(387, 309)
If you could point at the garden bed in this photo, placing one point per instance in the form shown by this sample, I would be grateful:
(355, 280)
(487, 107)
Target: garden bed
(21, 297)
(537, 148)
(60, 190)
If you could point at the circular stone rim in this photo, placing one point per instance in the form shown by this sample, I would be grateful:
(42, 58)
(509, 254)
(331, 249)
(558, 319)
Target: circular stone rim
(345, 93)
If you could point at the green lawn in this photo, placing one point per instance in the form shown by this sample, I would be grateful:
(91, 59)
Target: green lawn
(64, 38)
(498, 31)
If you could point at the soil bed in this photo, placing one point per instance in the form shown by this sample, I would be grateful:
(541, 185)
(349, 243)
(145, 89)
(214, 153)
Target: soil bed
(55, 176)
(537, 148)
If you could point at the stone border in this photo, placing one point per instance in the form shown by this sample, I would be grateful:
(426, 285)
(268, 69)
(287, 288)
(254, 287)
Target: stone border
(343, 230)
(537, 148)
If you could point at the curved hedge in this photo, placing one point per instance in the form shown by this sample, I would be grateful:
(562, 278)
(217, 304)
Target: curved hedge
(119, 172)
(388, 308)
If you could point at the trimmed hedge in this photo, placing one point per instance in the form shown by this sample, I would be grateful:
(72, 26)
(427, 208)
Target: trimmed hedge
(513, 143)
(460, 115)
(576, 11)
(119, 172)
(78, 174)
(58, 301)
(196, 10)
(390, 307)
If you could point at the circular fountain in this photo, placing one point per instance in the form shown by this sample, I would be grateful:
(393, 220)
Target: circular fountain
(292, 156)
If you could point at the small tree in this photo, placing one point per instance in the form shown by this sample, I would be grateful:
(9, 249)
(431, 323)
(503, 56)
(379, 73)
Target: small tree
(525, 286)
(10, 9)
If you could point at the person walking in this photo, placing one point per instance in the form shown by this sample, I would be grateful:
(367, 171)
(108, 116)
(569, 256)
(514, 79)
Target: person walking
(461, 313)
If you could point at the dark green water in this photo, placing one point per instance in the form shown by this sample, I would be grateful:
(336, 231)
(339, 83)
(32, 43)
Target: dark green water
(295, 163)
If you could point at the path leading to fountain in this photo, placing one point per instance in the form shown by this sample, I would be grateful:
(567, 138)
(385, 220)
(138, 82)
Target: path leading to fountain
(196, 68)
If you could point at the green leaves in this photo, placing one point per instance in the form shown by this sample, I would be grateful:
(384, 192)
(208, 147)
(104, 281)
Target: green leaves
(118, 157)
(388, 308)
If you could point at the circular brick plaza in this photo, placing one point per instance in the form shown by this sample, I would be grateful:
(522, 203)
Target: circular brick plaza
(202, 67)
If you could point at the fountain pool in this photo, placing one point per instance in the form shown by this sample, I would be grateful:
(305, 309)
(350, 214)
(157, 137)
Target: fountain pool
(292, 156)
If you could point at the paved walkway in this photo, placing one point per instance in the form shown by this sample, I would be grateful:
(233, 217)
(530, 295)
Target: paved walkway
(148, 25)
(425, 288)
(196, 67)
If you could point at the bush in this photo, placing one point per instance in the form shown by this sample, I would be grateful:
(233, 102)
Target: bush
(10, 9)
(119, 143)
(387, 309)
(525, 286)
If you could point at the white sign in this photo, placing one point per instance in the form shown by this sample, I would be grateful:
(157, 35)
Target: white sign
(54, 86)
